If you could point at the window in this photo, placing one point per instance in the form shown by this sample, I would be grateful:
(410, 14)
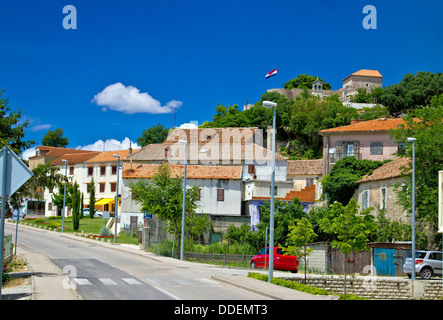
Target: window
(114, 169)
(102, 170)
(50, 206)
(167, 152)
(51, 190)
(251, 168)
(90, 171)
(435, 256)
(383, 198)
(365, 199)
(71, 170)
(377, 148)
(401, 148)
(88, 187)
(113, 186)
(309, 182)
(199, 194)
(275, 191)
(220, 194)
(102, 187)
(347, 148)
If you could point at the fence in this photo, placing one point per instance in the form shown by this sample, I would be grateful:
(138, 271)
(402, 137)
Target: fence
(8, 246)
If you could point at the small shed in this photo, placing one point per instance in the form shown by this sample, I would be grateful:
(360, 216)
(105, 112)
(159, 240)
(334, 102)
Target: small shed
(388, 257)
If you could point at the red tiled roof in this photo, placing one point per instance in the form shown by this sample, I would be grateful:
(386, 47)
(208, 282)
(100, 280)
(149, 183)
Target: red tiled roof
(74, 158)
(57, 152)
(365, 73)
(147, 171)
(108, 156)
(377, 125)
(389, 170)
(205, 152)
(304, 167)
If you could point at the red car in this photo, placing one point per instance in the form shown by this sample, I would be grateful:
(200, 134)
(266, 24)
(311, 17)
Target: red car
(281, 261)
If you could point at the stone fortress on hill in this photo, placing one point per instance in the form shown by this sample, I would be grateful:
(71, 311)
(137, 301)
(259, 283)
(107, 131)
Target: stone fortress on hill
(365, 79)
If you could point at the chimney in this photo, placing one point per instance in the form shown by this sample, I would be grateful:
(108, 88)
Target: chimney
(130, 148)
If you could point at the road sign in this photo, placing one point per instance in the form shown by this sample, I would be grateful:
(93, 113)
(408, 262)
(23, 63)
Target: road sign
(106, 214)
(14, 172)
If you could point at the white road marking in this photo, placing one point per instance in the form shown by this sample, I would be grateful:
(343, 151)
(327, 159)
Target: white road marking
(166, 292)
(208, 281)
(131, 281)
(82, 282)
(107, 281)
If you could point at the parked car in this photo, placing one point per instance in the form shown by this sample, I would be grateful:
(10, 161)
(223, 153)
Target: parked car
(97, 213)
(281, 261)
(427, 264)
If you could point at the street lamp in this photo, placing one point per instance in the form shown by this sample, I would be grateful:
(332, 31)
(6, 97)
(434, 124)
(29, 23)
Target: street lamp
(64, 194)
(116, 197)
(182, 248)
(273, 105)
(410, 139)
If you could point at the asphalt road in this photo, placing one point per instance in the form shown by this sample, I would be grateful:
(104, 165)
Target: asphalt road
(100, 273)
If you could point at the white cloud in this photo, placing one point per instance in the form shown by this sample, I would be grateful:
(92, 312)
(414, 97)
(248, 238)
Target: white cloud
(130, 100)
(40, 127)
(191, 125)
(110, 144)
(28, 153)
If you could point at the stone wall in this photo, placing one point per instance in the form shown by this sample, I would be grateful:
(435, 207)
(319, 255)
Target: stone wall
(378, 288)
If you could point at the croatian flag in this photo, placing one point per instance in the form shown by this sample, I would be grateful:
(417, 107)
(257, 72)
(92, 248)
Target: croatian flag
(271, 73)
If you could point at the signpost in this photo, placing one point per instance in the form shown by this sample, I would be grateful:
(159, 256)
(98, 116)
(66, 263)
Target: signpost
(13, 174)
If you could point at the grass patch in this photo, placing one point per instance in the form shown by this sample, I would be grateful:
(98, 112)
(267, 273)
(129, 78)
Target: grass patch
(302, 287)
(87, 225)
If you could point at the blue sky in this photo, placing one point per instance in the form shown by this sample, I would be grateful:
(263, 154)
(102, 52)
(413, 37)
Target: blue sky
(192, 55)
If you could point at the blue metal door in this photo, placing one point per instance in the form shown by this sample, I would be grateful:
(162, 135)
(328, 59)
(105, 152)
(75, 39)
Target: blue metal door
(384, 261)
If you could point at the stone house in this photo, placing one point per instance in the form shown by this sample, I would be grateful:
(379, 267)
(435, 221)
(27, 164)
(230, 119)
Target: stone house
(364, 78)
(362, 139)
(380, 190)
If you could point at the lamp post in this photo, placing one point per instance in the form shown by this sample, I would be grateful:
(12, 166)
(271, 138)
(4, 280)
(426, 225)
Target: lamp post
(182, 247)
(410, 139)
(116, 197)
(64, 194)
(273, 105)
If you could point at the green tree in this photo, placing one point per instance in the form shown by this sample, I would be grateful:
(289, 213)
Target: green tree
(412, 92)
(54, 138)
(341, 183)
(44, 176)
(92, 199)
(300, 235)
(163, 196)
(12, 131)
(428, 131)
(285, 215)
(351, 228)
(154, 134)
(305, 81)
(76, 210)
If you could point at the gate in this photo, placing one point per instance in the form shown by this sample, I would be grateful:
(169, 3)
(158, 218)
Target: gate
(384, 261)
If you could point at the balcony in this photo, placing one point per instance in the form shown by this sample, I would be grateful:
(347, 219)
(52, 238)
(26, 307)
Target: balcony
(334, 157)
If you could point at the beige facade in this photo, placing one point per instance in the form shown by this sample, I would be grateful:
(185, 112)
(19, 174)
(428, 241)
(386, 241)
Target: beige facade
(382, 194)
(381, 190)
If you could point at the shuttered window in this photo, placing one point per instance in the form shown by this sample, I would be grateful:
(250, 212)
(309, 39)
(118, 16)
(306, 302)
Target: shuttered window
(220, 194)
(377, 148)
